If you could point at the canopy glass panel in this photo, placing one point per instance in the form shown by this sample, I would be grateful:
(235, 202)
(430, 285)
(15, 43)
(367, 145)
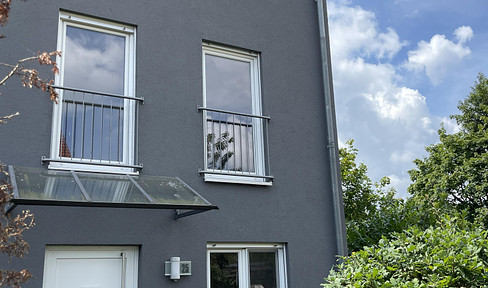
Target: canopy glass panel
(34, 186)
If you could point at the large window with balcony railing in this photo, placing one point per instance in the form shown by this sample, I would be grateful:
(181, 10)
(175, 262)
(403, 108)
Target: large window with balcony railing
(94, 121)
(235, 129)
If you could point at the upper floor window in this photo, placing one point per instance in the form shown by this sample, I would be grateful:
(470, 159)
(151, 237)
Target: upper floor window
(234, 126)
(94, 122)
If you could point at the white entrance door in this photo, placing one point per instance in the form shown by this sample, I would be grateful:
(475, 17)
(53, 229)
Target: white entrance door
(90, 267)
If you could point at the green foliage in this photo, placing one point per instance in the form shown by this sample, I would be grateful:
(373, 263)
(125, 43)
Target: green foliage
(455, 254)
(437, 237)
(372, 211)
(357, 188)
(455, 173)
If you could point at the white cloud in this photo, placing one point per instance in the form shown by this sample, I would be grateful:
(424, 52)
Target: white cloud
(390, 122)
(463, 34)
(401, 184)
(450, 125)
(440, 55)
(99, 67)
(400, 103)
(359, 34)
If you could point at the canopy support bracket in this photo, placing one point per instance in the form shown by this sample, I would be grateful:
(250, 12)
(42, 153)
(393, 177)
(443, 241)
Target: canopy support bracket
(178, 214)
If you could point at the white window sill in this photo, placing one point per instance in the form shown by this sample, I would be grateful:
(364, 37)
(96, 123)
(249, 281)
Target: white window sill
(236, 179)
(92, 168)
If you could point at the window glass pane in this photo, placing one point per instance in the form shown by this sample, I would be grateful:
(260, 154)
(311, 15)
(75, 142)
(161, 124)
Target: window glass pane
(92, 124)
(262, 266)
(94, 61)
(230, 142)
(224, 270)
(228, 84)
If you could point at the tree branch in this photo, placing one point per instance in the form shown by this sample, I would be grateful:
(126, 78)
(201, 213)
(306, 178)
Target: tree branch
(30, 77)
(3, 119)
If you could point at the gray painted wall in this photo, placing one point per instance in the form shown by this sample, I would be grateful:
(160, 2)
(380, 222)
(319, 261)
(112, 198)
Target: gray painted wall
(296, 210)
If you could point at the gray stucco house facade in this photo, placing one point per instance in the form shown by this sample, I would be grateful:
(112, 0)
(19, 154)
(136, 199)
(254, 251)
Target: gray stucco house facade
(197, 133)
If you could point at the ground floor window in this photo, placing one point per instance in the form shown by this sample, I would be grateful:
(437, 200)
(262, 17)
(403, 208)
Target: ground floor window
(246, 265)
(91, 266)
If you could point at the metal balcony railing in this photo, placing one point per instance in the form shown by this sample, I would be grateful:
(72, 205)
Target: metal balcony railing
(236, 143)
(92, 126)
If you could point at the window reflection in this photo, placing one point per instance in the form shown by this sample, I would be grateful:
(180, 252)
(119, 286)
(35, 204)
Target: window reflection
(228, 84)
(262, 266)
(224, 271)
(92, 124)
(94, 61)
(230, 142)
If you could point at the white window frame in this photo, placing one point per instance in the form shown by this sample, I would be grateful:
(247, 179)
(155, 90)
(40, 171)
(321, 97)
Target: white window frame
(258, 130)
(242, 250)
(129, 124)
(128, 254)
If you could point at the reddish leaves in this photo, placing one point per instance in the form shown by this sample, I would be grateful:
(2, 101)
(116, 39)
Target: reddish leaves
(11, 236)
(4, 10)
(30, 77)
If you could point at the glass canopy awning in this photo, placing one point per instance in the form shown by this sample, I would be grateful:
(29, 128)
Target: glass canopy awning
(33, 186)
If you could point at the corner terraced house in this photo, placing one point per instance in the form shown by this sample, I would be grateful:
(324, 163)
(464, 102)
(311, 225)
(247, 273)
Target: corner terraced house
(194, 144)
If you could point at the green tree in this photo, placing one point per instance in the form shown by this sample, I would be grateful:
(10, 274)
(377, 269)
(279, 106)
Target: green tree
(357, 188)
(372, 210)
(455, 172)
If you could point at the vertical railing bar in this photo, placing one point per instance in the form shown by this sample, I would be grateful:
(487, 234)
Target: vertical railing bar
(240, 144)
(110, 131)
(252, 146)
(214, 140)
(226, 146)
(92, 128)
(209, 147)
(248, 147)
(234, 136)
(220, 137)
(267, 163)
(250, 155)
(73, 132)
(244, 144)
(101, 130)
(118, 135)
(63, 132)
(212, 149)
(83, 126)
(121, 129)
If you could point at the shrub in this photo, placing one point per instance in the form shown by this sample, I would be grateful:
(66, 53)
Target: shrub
(455, 254)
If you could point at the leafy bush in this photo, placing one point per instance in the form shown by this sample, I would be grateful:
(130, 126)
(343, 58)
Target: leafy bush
(455, 254)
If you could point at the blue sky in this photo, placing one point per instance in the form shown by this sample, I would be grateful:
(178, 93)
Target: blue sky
(400, 67)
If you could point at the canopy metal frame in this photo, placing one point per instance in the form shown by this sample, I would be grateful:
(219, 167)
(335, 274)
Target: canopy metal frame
(181, 210)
